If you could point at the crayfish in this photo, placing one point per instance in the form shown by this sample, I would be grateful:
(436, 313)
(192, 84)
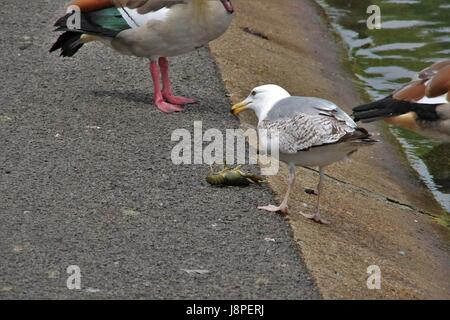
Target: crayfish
(232, 177)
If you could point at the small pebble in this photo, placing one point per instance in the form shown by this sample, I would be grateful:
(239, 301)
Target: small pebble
(25, 46)
(18, 248)
(196, 271)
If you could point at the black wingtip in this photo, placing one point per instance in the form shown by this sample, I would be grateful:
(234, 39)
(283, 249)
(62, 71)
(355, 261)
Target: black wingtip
(69, 43)
(62, 22)
(390, 107)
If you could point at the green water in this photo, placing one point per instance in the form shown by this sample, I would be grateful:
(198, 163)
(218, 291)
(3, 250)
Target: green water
(414, 34)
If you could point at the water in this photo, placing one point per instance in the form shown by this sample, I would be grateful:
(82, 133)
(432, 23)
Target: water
(414, 34)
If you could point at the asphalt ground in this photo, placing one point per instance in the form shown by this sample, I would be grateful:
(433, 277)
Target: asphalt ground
(86, 179)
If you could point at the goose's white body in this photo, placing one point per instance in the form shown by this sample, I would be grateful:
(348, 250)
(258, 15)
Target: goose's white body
(441, 99)
(135, 19)
(171, 31)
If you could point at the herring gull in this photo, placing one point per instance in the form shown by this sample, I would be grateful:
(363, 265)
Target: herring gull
(311, 132)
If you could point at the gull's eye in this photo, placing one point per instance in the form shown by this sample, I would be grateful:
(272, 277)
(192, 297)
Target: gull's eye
(253, 93)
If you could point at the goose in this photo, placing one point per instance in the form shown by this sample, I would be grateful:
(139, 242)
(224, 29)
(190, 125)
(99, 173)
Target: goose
(311, 132)
(153, 29)
(422, 106)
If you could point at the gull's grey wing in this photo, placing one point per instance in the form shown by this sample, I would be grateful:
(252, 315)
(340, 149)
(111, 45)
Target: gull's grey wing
(146, 6)
(292, 106)
(304, 131)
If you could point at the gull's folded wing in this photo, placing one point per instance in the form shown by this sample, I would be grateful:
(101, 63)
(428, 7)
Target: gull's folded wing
(305, 131)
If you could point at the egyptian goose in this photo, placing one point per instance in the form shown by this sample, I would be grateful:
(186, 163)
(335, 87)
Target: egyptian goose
(154, 29)
(309, 132)
(421, 106)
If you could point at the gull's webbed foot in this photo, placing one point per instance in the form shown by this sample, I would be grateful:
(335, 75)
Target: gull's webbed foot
(315, 217)
(271, 208)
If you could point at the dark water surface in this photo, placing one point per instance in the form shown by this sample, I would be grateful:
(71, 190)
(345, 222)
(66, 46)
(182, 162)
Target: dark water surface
(414, 34)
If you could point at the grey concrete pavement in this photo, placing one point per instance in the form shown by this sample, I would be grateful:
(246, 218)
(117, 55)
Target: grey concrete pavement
(86, 179)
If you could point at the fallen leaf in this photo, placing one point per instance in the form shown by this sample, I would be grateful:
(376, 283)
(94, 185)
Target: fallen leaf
(4, 119)
(130, 212)
(53, 274)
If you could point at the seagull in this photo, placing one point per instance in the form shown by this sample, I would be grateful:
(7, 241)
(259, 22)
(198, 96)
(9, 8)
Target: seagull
(423, 105)
(153, 29)
(311, 132)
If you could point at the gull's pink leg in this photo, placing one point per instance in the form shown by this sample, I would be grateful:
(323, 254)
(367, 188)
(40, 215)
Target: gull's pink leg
(283, 208)
(158, 96)
(316, 217)
(167, 90)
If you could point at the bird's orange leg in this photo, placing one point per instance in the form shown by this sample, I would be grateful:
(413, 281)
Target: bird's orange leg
(158, 95)
(167, 90)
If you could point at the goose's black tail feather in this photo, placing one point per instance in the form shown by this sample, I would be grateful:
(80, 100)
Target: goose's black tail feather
(389, 107)
(69, 43)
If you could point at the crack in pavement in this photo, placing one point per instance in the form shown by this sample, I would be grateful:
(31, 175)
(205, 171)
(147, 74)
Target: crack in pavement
(376, 195)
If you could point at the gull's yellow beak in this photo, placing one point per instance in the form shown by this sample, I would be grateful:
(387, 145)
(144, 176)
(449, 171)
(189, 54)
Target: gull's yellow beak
(238, 108)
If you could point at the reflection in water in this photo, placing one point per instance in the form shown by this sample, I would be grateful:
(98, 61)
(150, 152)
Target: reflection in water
(414, 34)
(431, 160)
(438, 163)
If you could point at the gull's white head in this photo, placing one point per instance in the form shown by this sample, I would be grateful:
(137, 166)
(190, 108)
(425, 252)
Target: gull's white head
(261, 100)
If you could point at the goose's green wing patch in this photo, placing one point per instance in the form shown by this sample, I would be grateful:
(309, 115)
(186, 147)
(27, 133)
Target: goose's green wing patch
(105, 22)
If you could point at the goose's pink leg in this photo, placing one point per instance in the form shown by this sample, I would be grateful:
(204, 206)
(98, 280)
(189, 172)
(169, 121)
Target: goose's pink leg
(158, 95)
(167, 87)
